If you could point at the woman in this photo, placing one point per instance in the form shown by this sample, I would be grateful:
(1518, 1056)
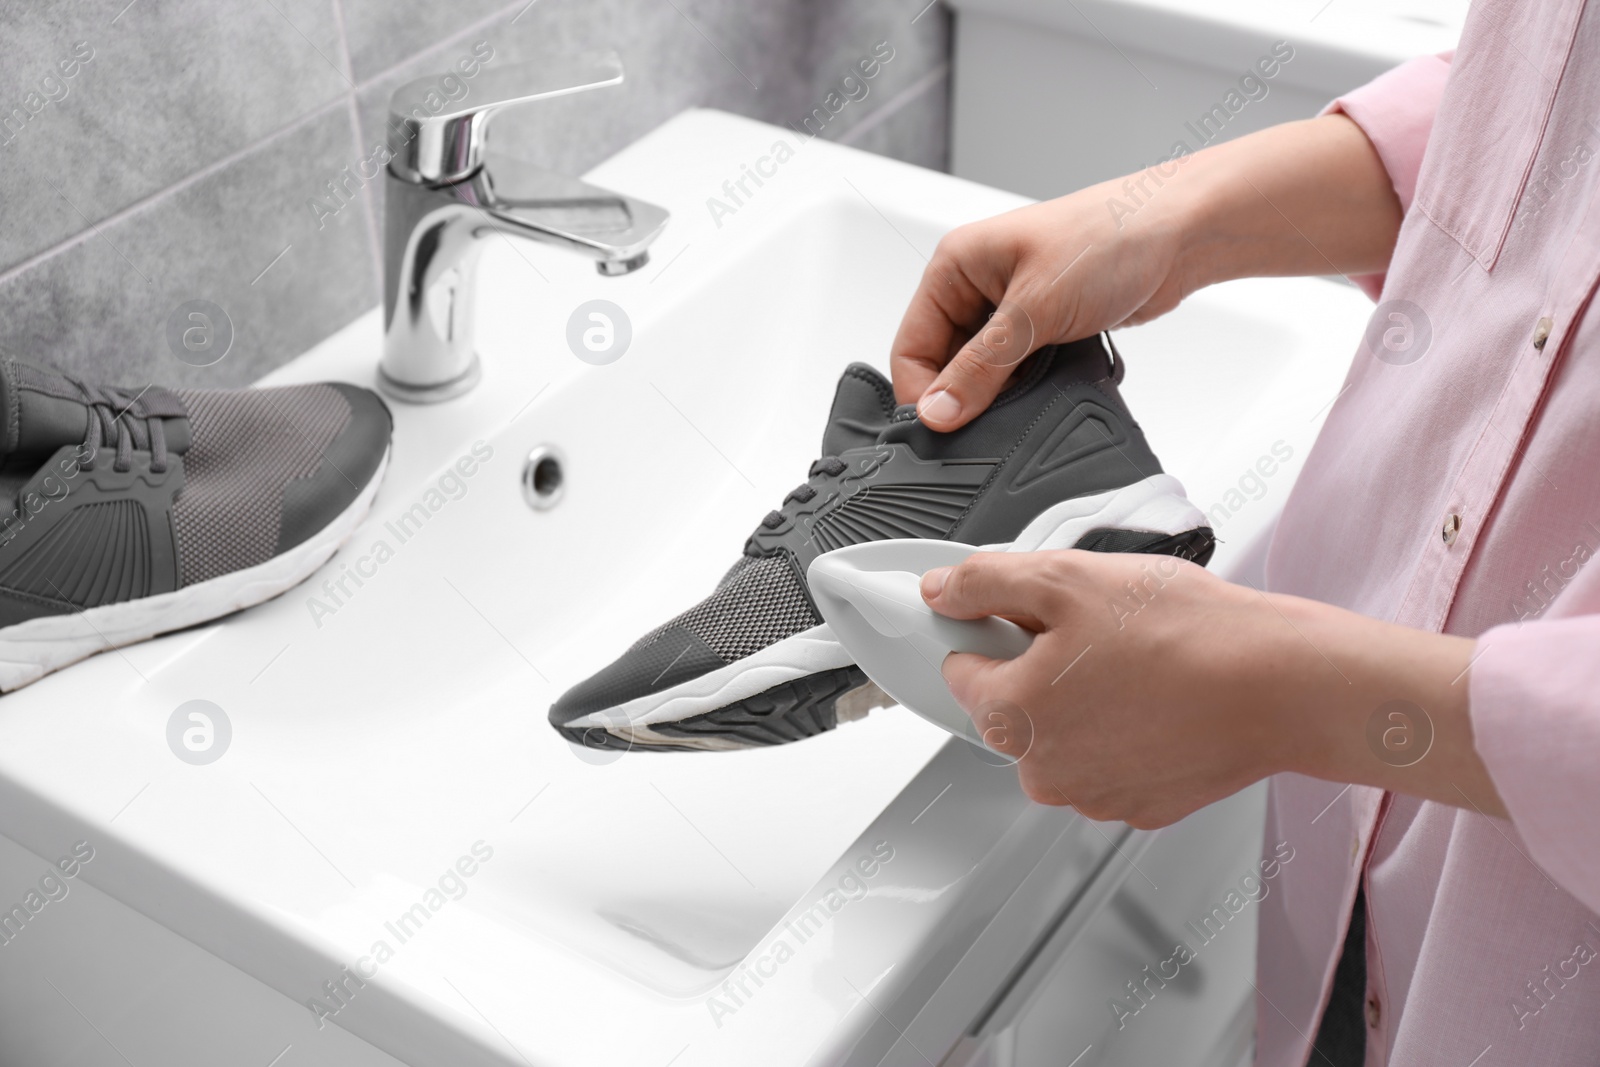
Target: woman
(1422, 677)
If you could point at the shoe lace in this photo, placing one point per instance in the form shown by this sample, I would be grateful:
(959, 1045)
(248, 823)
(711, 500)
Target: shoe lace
(831, 466)
(132, 419)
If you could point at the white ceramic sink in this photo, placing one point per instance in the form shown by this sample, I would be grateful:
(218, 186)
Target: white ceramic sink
(377, 743)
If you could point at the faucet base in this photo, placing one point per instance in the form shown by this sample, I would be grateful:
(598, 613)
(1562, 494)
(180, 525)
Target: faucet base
(433, 392)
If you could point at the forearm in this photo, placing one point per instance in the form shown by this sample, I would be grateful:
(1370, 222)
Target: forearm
(1376, 704)
(1307, 197)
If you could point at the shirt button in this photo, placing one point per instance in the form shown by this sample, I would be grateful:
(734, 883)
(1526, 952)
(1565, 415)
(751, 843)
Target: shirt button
(1541, 331)
(1452, 527)
(1373, 1014)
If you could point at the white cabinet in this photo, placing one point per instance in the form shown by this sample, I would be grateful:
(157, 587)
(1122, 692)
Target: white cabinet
(1050, 97)
(1153, 961)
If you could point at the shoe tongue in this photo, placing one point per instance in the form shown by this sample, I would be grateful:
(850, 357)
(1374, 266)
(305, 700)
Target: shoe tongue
(41, 410)
(37, 411)
(862, 407)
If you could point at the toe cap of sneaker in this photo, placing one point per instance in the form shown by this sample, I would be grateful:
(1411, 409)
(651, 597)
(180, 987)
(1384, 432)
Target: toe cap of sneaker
(349, 463)
(676, 656)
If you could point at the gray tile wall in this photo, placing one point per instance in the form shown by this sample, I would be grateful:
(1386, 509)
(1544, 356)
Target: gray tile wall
(165, 151)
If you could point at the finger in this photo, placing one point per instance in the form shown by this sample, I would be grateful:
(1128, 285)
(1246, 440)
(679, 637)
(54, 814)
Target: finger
(936, 322)
(981, 368)
(1015, 585)
(973, 679)
(978, 685)
(920, 350)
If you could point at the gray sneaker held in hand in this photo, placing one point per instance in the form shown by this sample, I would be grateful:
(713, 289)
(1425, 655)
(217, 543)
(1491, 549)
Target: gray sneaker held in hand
(1056, 462)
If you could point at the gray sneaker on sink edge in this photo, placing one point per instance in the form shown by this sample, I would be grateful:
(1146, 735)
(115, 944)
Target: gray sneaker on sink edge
(1056, 462)
(127, 513)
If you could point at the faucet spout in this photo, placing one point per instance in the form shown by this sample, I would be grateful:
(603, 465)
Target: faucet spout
(554, 209)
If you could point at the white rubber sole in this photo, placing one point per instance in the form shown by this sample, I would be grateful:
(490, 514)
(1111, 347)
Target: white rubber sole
(1157, 504)
(30, 650)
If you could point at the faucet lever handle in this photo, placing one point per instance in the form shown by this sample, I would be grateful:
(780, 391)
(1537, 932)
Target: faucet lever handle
(446, 145)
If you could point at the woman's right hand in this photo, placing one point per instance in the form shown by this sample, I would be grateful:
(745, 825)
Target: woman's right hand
(1306, 197)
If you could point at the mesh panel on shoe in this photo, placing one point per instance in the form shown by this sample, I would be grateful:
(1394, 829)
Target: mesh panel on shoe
(249, 444)
(758, 603)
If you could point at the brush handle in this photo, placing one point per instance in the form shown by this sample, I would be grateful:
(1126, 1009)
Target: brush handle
(871, 597)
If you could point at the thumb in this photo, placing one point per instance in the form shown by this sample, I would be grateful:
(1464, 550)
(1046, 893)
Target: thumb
(1013, 585)
(979, 370)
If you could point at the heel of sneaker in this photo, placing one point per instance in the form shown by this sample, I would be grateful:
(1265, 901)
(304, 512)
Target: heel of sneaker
(1155, 506)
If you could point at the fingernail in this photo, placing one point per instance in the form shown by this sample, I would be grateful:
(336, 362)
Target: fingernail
(939, 407)
(933, 582)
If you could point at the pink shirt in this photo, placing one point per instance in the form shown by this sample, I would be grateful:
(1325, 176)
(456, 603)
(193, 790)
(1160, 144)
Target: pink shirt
(1456, 487)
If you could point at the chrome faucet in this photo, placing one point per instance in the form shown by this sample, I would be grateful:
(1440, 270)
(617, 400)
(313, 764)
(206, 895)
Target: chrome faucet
(445, 191)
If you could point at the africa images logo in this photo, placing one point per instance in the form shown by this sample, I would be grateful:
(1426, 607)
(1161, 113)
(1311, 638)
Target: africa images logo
(762, 964)
(852, 88)
(1251, 887)
(1252, 85)
(451, 885)
(52, 887)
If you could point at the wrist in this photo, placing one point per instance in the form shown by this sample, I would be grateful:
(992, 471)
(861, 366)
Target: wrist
(1326, 654)
(1378, 704)
(1212, 245)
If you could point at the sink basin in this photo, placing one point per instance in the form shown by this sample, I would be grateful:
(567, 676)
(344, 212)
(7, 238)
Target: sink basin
(391, 779)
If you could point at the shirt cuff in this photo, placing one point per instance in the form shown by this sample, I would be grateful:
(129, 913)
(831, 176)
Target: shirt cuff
(1535, 706)
(1395, 110)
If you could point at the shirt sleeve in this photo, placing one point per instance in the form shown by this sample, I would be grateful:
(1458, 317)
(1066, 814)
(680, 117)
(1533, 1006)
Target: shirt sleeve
(1395, 110)
(1535, 706)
